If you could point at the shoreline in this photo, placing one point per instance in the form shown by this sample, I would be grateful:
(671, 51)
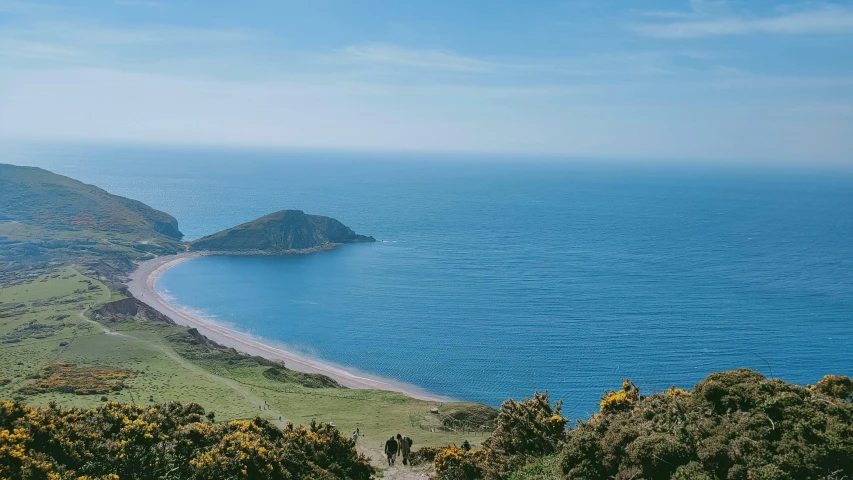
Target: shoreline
(141, 286)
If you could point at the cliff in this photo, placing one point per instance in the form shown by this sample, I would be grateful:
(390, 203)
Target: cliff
(281, 231)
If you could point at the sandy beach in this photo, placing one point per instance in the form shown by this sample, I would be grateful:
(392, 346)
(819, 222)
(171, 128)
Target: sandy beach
(141, 286)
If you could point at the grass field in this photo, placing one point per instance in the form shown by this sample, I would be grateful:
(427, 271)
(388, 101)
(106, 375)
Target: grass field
(45, 320)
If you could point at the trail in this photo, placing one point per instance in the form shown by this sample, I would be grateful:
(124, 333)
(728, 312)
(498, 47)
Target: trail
(233, 385)
(403, 473)
(240, 389)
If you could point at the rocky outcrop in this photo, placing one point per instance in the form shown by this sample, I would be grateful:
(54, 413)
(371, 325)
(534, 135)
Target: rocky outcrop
(283, 231)
(128, 310)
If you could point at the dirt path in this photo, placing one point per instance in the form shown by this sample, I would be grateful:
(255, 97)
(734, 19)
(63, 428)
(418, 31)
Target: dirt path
(240, 389)
(403, 473)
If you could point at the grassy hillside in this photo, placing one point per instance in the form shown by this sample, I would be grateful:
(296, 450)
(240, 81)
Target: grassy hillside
(70, 336)
(48, 219)
(280, 231)
(67, 318)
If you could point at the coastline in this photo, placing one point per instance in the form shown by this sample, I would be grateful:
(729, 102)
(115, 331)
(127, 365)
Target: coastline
(141, 286)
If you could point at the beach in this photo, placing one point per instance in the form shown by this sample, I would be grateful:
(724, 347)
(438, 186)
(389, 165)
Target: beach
(141, 286)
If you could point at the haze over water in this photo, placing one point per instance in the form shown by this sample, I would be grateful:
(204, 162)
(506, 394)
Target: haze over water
(496, 279)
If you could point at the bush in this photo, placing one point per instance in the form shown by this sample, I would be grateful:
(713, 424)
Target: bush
(836, 386)
(735, 425)
(67, 377)
(620, 400)
(546, 468)
(524, 431)
(166, 441)
(425, 455)
(456, 464)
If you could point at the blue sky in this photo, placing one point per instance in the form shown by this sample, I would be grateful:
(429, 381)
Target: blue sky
(728, 80)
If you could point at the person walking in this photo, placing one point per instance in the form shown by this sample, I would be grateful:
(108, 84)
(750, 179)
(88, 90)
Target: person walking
(404, 445)
(391, 450)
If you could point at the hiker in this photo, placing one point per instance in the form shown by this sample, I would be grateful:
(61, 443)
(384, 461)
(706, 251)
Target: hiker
(404, 445)
(466, 446)
(391, 450)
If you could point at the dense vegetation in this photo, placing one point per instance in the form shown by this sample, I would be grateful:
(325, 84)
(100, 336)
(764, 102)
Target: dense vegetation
(172, 440)
(734, 425)
(280, 231)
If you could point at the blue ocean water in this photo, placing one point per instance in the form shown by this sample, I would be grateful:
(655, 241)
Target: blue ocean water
(497, 278)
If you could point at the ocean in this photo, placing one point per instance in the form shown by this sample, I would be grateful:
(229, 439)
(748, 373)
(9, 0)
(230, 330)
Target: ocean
(497, 277)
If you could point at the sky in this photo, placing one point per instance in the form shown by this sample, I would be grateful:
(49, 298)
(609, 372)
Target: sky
(685, 80)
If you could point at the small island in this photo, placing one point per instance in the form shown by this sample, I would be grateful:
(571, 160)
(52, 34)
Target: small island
(284, 231)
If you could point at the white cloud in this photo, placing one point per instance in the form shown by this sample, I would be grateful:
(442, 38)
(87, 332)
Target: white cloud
(827, 19)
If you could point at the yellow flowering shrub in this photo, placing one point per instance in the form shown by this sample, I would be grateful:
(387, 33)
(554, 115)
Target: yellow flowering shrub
(620, 400)
(453, 463)
(117, 440)
(69, 378)
(677, 392)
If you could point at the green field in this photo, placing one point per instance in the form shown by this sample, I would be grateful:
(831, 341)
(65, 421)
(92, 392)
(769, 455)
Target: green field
(47, 320)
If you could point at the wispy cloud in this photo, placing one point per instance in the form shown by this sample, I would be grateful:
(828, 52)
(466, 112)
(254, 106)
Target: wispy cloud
(22, 7)
(139, 3)
(826, 19)
(92, 44)
(418, 58)
(38, 51)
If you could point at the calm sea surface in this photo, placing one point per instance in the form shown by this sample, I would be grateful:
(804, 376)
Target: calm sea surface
(496, 279)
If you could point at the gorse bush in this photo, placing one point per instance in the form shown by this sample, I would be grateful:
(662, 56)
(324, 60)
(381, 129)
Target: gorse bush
(83, 380)
(735, 425)
(620, 400)
(425, 455)
(171, 440)
(523, 431)
(453, 463)
(836, 386)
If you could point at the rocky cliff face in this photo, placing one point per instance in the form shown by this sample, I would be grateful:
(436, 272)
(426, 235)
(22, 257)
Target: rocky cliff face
(280, 232)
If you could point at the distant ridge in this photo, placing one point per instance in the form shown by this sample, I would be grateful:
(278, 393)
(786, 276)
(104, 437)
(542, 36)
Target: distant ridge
(43, 198)
(281, 231)
(48, 219)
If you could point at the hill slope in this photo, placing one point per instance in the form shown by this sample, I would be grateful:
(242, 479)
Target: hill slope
(45, 217)
(281, 231)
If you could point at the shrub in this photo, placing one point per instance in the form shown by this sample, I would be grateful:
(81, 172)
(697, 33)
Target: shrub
(69, 378)
(456, 464)
(620, 400)
(166, 441)
(523, 431)
(425, 455)
(836, 386)
(546, 468)
(734, 425)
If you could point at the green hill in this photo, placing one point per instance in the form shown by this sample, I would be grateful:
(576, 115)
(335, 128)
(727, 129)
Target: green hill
(279, 232)
(49, 219)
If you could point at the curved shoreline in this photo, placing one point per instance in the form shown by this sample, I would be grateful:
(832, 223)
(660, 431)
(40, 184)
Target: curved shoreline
(141, 286)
